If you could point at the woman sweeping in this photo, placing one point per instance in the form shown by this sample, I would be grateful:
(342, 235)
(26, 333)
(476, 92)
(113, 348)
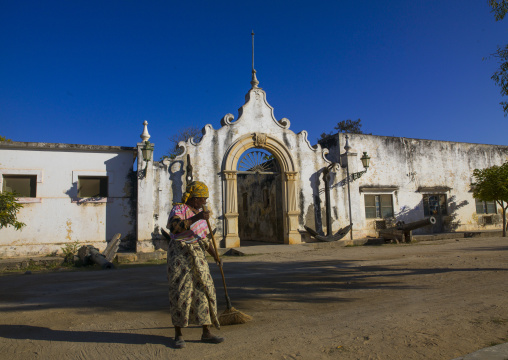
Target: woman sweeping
(192, 298)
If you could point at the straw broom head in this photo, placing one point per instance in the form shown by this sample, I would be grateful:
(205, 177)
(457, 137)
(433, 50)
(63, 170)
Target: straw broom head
(233, 317)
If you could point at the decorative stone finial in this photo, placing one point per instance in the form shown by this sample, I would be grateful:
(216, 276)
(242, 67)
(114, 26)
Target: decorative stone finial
(347, 147)
(145, 135)
(254, 82)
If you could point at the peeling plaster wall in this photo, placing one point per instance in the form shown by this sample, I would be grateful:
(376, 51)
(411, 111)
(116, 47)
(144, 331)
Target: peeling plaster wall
(399, 166)
(414, 167)
(54, 218)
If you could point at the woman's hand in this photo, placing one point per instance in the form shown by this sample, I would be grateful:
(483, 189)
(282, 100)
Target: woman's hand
(203, 215)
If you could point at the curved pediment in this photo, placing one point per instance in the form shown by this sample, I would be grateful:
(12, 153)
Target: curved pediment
(256, 110)
(256, 116)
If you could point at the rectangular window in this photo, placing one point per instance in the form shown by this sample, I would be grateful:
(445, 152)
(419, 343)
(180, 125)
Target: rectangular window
(378, 206)
(434, 204)
(22, 185)
(485, 207)
(92, 186)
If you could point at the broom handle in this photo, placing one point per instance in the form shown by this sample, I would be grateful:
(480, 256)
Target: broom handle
(228, 301)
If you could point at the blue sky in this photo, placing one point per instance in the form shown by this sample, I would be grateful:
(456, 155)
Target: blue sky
(90, 72)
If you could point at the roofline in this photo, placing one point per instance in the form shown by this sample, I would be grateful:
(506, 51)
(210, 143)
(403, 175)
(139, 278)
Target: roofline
(64, 147)
(408, 138)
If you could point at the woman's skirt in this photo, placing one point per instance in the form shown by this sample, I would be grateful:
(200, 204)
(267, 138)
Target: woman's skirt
(192, 298)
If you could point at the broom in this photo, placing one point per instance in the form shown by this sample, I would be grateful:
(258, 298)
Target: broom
(230, 316)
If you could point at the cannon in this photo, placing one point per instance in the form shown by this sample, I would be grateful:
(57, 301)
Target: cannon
(404, 232)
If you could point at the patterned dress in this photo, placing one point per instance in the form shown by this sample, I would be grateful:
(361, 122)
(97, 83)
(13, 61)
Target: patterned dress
(192, 298)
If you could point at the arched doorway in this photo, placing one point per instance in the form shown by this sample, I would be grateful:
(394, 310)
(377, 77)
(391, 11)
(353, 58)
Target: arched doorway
(259, 186)
(288, 180)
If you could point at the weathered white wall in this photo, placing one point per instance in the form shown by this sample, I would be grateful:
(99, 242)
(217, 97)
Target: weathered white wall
(54, 217)
(412, 167)
(209, 154)
(406, 168)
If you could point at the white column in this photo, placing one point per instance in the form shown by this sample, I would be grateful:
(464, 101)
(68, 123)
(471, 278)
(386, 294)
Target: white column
(231, 231)
(292, 235)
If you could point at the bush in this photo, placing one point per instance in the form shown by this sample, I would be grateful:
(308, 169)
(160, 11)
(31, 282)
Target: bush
(9, 208)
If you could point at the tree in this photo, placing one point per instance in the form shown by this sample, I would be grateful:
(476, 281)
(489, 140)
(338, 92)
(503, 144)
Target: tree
(350, 126)
(3, 138)
(500, 77)
(492, 185)
(499, 8)
(347, 126)
(9, 208)
(182, 135)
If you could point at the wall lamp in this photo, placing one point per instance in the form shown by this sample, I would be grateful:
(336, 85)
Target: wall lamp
(146, 152)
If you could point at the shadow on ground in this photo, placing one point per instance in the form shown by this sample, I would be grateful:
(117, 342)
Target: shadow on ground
(145, 289)
(21, 332)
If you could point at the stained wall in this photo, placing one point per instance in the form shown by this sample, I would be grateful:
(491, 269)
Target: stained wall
(56, 217)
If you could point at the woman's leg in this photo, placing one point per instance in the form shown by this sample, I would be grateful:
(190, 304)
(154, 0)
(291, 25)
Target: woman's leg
(179, 341)
(209, 337)
(206, 330)
(178, 331)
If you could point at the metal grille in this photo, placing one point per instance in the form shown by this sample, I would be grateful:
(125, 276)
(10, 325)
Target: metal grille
(257, 161)
(380, 225)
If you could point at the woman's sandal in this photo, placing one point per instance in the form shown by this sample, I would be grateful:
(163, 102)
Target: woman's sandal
(212, 339)
(179, 342)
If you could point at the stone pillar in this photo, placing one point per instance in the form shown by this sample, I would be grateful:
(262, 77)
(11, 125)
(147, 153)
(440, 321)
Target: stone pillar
(357, 213)
(231, 237)
(292, 235)
(145, 203)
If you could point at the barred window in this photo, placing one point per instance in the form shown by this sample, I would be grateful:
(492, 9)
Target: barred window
(485, 207)
(378, 206)
(434, 204)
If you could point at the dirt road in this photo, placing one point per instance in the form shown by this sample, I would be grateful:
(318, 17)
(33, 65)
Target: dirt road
(436, 300)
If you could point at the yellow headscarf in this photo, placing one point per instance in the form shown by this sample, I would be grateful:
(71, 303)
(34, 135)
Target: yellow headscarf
(195, 189)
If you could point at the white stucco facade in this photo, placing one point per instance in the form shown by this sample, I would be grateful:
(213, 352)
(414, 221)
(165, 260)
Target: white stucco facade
(409, 169)
(56, 216)
(410, 173)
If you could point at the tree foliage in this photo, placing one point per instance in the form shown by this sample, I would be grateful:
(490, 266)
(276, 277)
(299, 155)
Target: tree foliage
(492, 185)
(500, 77)
(499, 8)
(347, 126)
(182, 135)
(9, 208)
(350, 126)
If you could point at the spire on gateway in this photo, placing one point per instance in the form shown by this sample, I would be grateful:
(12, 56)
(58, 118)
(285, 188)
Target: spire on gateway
(254, 82)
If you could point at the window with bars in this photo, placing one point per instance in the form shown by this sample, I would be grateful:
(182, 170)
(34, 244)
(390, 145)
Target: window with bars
(434, 204)
(378, 206)
(485, 207)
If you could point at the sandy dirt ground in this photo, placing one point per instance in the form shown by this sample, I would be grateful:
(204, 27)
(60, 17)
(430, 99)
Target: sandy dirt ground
(435, 300)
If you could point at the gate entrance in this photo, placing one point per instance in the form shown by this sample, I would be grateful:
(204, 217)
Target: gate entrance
(260, 210)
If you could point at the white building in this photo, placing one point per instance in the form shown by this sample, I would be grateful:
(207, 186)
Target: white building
(410, 179)
(266, 184)
(69, 193)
